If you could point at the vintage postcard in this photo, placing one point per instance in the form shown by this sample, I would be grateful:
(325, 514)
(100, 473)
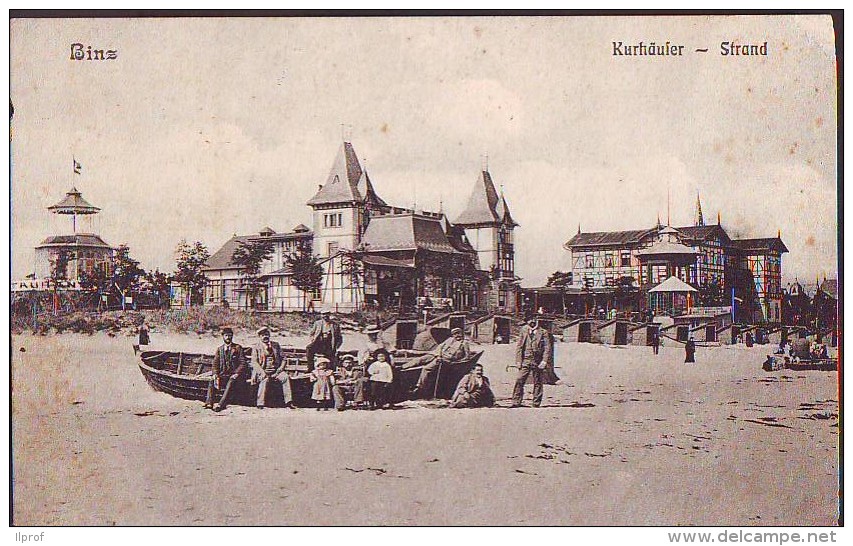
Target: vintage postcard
(425, 270)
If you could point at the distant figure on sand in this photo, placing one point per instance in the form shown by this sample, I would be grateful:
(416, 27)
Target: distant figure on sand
(655, 340)
(473, 391)
(690, 350)
(143, 334)
(324, 381)
(325, 340)
(229, 366)
(452, 349)
(531, 353)
(268, 369)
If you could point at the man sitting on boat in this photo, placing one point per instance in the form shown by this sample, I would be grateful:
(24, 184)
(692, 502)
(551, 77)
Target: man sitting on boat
(451, 350)
(268, 369)
(473, 391)
(229, 366)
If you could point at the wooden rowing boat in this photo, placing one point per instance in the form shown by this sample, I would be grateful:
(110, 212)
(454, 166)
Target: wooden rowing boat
(187, 375)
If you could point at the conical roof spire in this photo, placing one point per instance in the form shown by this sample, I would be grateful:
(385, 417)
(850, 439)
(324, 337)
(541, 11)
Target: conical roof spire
(700, 221)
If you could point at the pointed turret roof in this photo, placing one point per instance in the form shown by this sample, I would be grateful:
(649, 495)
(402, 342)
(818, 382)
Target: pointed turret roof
(347, 181)
(73, 203)
(503, 212)
(484, 205)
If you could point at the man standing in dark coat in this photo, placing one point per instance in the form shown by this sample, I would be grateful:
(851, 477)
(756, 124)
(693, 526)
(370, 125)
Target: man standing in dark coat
(325, 339)
(229, 367)
(531, 354)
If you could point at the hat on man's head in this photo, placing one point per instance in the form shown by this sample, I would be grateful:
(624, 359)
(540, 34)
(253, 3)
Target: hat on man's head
(372, 329)
(227, 330)
(263, 330)
(321, 360)
(456, 331)
(326, 313)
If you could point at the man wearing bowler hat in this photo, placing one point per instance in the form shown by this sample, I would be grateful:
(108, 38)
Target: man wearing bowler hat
(268, 372)
(229, 366)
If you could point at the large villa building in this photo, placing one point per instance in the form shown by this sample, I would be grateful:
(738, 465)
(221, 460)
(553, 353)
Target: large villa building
(674, 265)
(374, 254)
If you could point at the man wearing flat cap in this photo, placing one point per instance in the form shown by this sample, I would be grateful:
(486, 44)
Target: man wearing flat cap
(229, 366)
(268, 369)
(325, 339)
(452, 349)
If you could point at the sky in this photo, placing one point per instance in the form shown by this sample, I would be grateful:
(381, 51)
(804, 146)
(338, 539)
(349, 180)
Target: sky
(203, 128)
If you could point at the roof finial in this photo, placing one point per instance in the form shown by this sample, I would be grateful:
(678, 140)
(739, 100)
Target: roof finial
(579, 228)
(779, 233)
(441, 204)
(718, 218)
(658, 224)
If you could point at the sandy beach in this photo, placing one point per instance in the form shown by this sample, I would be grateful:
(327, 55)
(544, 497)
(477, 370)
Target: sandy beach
(630, 439)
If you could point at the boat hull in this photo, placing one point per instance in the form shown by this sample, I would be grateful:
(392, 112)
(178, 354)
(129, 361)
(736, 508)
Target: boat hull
(188, 375)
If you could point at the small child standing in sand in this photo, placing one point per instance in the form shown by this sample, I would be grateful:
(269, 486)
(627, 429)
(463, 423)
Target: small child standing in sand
(381, 377)
(323, 379)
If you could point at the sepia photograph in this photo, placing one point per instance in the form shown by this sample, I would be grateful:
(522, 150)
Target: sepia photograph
(425, 269)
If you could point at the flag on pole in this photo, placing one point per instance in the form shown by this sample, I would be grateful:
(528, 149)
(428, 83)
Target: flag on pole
(77, 167)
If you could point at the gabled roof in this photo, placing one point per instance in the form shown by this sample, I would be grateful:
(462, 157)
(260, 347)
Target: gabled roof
(406, 232)
(610, 238)
(221, 259)
(347, 181)
(73, 203)
(80, 239)
(484, 205)
(301, 228)
(760, 244)
(673, 284)
(703, 233)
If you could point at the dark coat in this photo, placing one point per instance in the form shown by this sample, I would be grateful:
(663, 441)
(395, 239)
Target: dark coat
(532, 347)
(228, 363)
(317, 330)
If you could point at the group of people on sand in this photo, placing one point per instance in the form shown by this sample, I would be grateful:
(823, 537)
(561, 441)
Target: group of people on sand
(367, 380)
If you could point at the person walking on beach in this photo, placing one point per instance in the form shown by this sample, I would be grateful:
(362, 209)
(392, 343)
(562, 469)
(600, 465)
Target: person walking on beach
(326, 339)
(530, 353)
(690, 350)
(229, 366)
(268, 369)
(655, 340)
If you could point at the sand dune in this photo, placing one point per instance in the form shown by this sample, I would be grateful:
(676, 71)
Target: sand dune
(629, 439)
